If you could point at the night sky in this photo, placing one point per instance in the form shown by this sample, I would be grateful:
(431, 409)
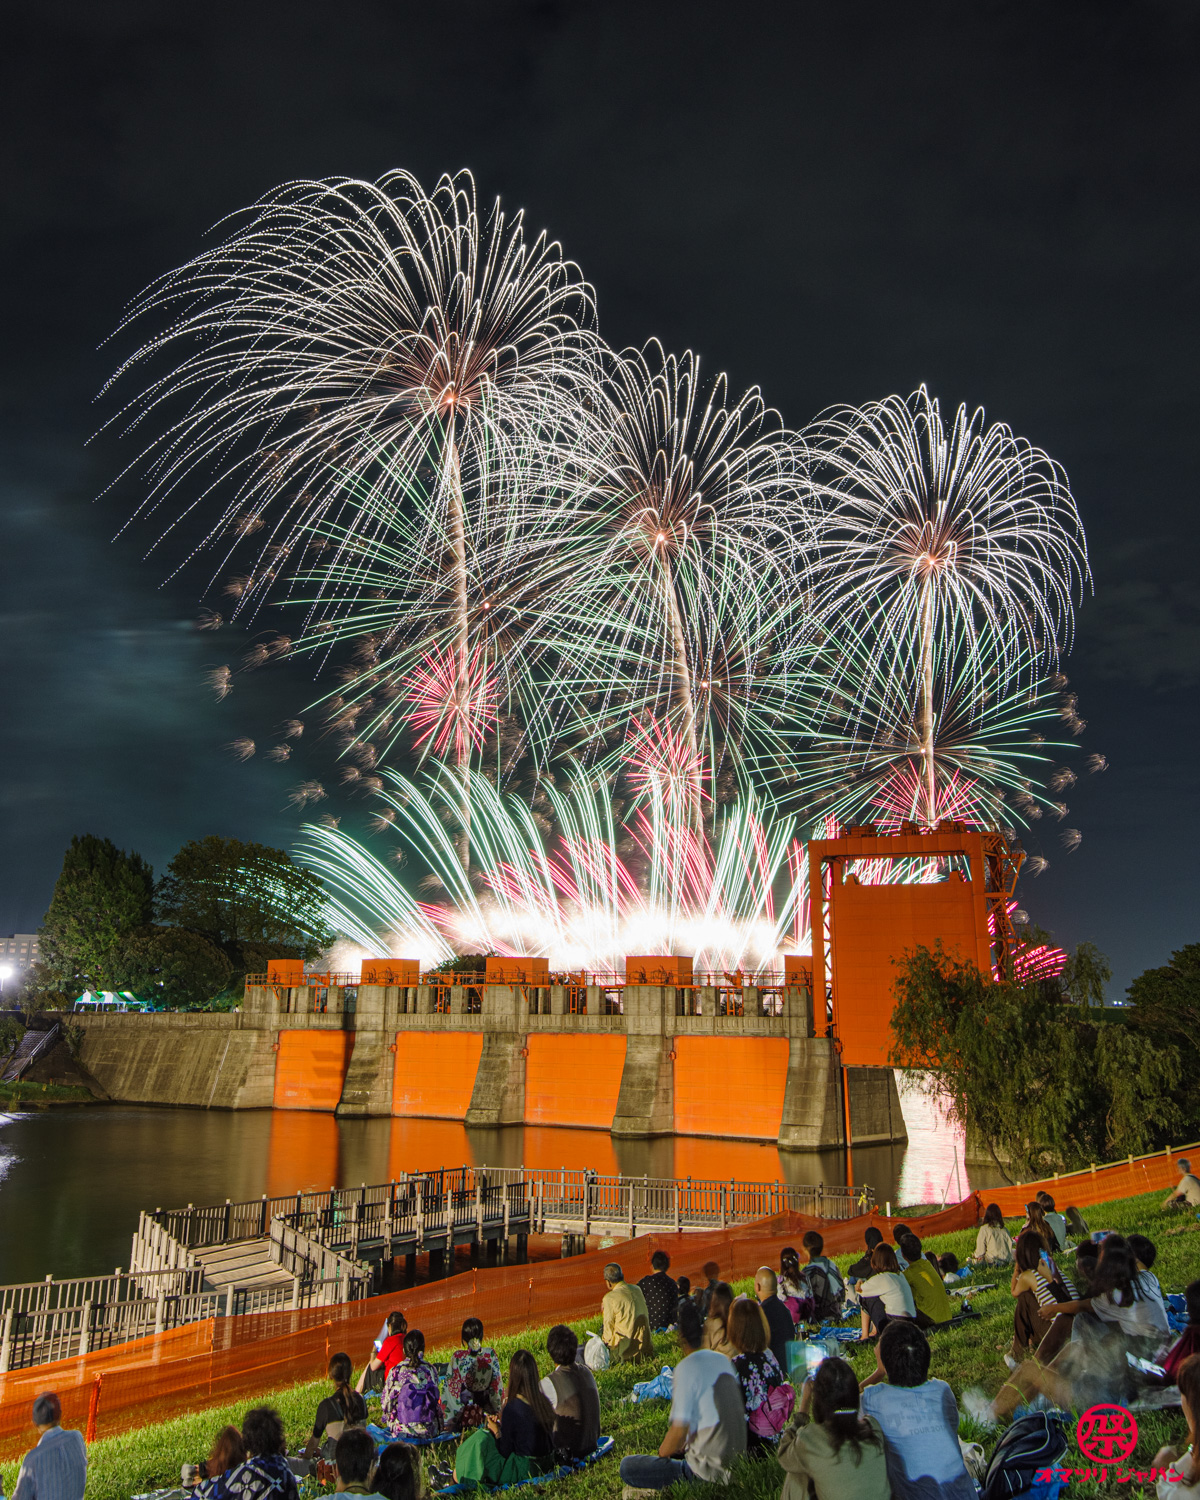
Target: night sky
(831, 201)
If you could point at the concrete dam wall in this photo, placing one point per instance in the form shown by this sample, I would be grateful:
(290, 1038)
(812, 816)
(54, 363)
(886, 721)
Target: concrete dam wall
(645, 1061)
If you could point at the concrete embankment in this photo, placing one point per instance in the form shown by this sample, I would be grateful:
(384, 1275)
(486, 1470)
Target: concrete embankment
(667, 1061)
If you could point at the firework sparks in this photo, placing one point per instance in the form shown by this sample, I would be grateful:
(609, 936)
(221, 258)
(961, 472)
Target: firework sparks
(243, 749)
(964, 543)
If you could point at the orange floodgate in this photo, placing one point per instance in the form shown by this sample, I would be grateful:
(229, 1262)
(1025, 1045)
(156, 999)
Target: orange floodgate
(730, 1085)
(573, 1080)
(435, 1073)
(310, 1068)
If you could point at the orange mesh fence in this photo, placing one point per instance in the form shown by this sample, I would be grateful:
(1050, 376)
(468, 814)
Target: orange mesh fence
(227, 1359)
(1122, 1179)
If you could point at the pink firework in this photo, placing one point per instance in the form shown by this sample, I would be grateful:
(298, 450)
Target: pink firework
(1030, 962)
(451, 705)
(660, 762)
(902, 798)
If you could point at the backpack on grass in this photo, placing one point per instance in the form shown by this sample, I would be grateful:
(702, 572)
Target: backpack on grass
(1033, 1443)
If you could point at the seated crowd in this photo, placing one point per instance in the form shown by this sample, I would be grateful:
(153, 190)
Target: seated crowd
(1090, 1327)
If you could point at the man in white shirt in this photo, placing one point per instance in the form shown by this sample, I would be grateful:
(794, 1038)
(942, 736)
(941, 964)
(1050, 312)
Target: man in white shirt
(56, 1467)
(708, 1420)
(1187, 1189)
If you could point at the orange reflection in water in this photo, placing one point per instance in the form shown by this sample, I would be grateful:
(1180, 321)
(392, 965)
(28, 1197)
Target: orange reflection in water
(696, 1156)
(304, 1154)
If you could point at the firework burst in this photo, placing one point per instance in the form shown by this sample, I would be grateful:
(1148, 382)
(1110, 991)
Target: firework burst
(960, 551)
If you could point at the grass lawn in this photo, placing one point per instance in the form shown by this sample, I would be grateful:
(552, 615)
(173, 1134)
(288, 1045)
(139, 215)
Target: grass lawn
(969, 1356)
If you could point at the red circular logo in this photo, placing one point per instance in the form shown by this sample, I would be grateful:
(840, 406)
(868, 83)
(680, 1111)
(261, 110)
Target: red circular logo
(1107, 1434)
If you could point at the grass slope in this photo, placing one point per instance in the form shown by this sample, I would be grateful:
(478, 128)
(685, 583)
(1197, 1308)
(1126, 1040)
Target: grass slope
(971, 1356)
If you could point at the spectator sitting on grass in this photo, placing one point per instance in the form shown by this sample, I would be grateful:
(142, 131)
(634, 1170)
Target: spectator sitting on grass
(830, 1445)
(1182, 1471)
(228, 1451)
(716, 1334)
(571, 1390)
(398, 1473)
(900, 1232)
(702, 1294)
(472, 1382)
(626, 1328)
(918, 1418)
(1087, 1253)
(793, 1289)
(779, 1320)
(708, 1421)
(264, 1474)
(344, 1408)
(862, 1268)
(1055, 1222)
(517, 1444)
(1145, 1255)
(412, 1406)
(759, 1373)
(993, 1243)
(818, 1261)
(1040, 1324)
(884, 1294)
(389, 1353)
(684, 1284)
(1188, 1342)
(354, 1459)
(55, 1468)
(929, 1294)
(660, 1291)
(1186, 1192)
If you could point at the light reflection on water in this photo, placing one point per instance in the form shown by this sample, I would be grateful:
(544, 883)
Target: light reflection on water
(73, 1181)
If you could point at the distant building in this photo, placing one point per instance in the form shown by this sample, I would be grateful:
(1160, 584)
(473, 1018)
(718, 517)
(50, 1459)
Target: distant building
(20, 949)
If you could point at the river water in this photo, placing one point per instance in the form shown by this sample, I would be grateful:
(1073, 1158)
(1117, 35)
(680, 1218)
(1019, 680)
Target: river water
(72, 1181)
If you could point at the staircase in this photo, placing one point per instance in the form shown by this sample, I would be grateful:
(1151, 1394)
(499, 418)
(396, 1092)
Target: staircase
(33, 1044)
(245, 1264)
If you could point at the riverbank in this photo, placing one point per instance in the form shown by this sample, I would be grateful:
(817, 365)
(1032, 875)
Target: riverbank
(970, 1356)
(27, 1095)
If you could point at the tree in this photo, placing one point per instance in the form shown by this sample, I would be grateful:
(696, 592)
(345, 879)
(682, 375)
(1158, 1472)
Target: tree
(1086, 973)
(1167, 1000)
(102, 894)
(1043, 1079)
(249, 900)
(174, 968)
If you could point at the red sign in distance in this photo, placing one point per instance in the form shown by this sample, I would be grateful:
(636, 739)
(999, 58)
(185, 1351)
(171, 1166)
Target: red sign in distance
(1107, 1434)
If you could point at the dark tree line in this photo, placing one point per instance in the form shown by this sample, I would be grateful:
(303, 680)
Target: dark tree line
(185, 941)
(1042, 1074)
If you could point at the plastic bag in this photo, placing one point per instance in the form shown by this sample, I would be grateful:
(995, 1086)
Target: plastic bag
(596, 1353)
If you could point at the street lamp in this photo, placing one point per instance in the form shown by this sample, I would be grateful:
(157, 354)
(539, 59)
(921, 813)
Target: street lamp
(6, 972)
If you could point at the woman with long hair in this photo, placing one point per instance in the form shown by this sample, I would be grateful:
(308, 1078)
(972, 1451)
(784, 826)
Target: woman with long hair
(412, 1406)
(345, 1408)
(716, 1335)
(228, 1451)
(1038, 1326)
(793, 1289)
(829, 1445)
(515, 1445)
(993, 1243)
(764, 1386)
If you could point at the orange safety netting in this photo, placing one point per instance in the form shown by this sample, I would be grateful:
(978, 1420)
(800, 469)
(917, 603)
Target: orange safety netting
(227, 1359)
(1122, 1179)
